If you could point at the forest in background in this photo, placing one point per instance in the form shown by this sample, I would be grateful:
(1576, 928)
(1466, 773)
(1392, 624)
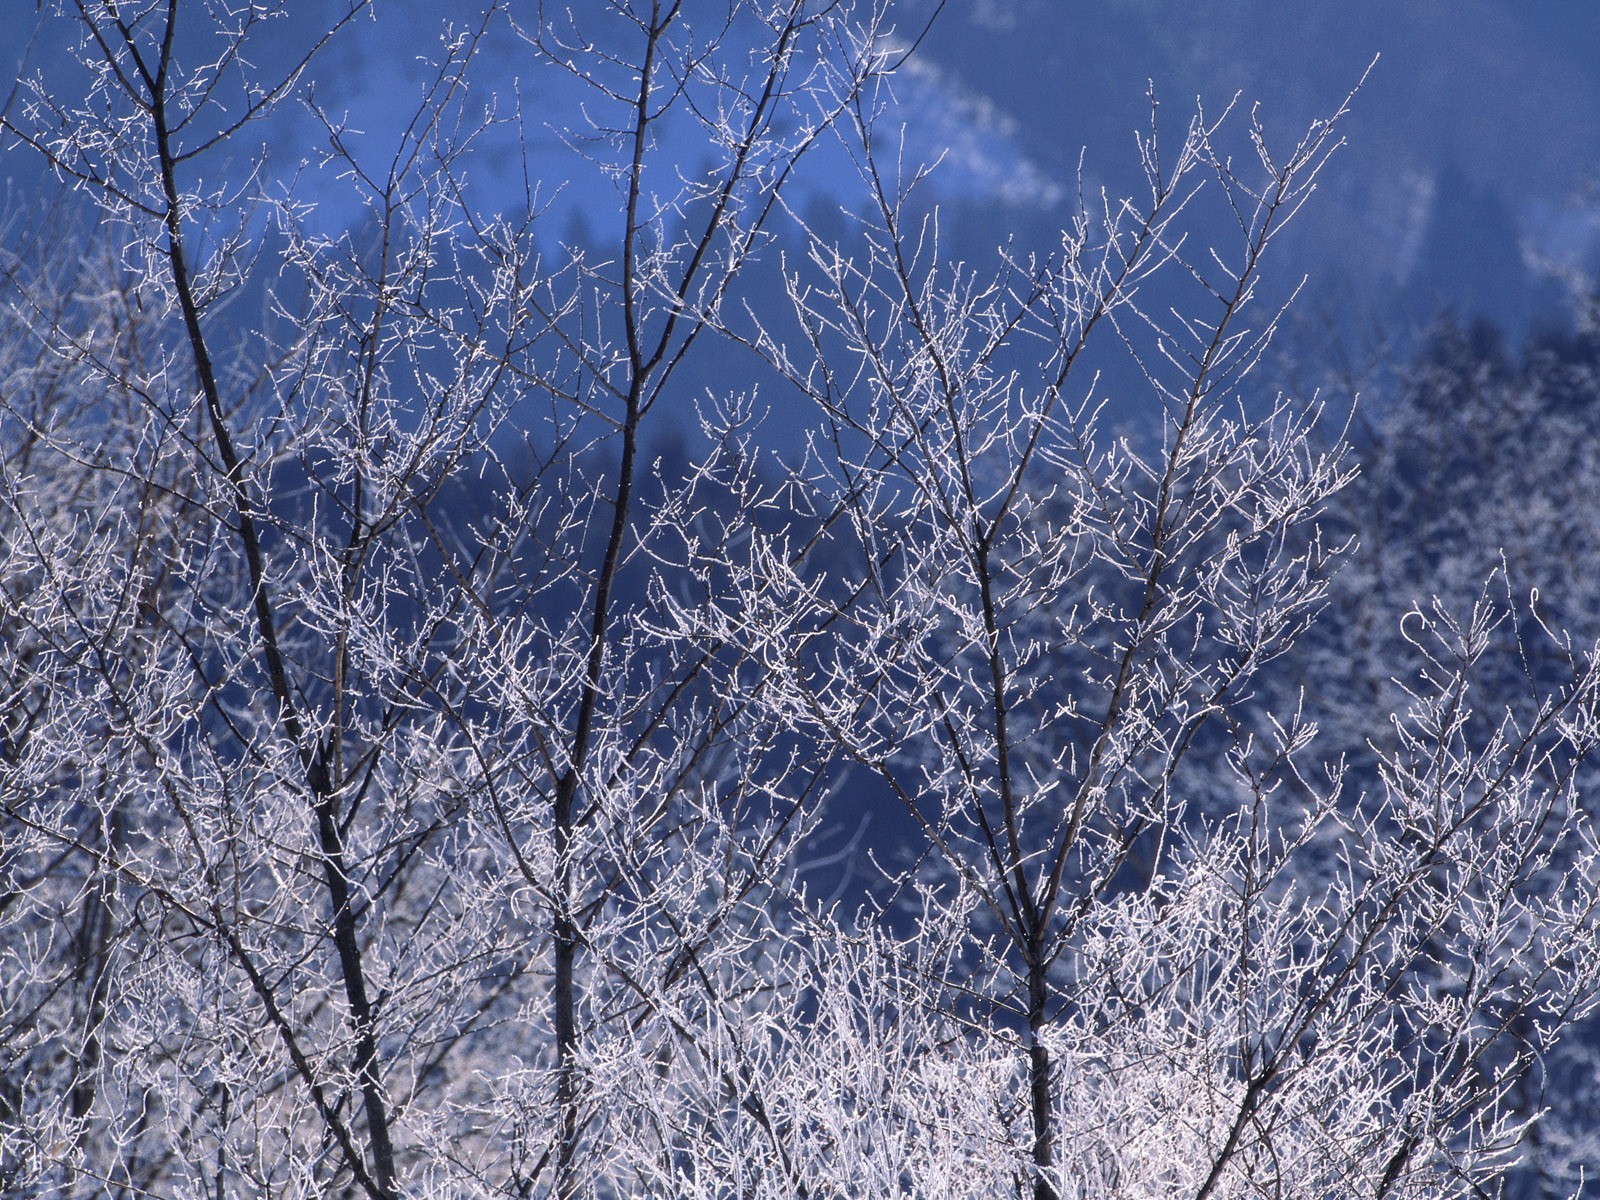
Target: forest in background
(759, 693)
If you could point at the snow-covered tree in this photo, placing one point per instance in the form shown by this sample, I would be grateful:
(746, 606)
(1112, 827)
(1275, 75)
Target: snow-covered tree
(408, 776)
(1477, 465)
(337, 723)
(1202, 965)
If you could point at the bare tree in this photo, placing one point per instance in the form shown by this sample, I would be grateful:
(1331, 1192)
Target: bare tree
(1202, 967)
(415, 804)
(1474, 463)
(405, 776)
